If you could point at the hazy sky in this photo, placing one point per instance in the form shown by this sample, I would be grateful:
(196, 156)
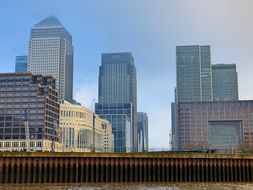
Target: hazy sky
(150, 29)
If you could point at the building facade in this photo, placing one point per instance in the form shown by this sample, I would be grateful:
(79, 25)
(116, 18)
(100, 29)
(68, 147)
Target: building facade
(25, 97)
(21, 63)
(218, 125)
(117, 86)
(142, 127)
(225, 82)
(194, 76)
(107, 136)
(51, 53)
(82, 130)
(174, 129)
(118, 114)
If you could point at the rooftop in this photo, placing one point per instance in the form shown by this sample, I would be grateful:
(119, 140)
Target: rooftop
(49, 22)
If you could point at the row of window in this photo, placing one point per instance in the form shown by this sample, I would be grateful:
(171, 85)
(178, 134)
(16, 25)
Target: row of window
(19, 144)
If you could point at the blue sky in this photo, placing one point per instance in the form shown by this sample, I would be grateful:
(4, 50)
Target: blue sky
(150, 29)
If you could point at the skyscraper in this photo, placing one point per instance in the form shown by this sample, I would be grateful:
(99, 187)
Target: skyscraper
(194, 81)
(142, 131)
(206, 113)
(51, 53)
(193, 73)
(225, 83)
(21, 64)
(174, 128)
(118, 97)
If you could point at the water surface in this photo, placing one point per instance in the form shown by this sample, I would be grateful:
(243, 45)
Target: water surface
(131, 186)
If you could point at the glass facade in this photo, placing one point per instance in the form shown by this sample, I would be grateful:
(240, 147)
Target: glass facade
(174, 128)
(197, 124)
(21, 64)
(51, 53)
(224, 134)
(34, 94)
(142, 128)
(206, 73)
(193, 65)
(118, 114)
(117, 85)
(225, 83)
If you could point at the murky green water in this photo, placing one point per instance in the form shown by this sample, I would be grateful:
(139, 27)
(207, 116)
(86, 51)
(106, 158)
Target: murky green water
(133, 186)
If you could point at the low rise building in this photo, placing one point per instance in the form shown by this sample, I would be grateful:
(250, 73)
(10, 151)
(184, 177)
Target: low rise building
(81, 128)
(224, 126)
(118, 115)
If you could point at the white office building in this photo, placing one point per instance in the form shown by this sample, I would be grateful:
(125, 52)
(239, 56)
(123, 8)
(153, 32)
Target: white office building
(51, 53)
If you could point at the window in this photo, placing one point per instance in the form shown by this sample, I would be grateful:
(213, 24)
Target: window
(23, 144)
(39, 144)
(15, 144)
(7, 144)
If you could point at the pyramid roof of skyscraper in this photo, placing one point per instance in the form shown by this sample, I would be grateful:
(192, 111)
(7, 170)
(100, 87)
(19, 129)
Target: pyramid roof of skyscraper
(49, 22)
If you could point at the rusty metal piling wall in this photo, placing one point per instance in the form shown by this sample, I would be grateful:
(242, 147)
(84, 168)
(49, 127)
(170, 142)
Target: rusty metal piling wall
(92, 167)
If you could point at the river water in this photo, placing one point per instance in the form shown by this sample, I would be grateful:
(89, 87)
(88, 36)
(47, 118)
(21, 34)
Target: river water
(132, 186)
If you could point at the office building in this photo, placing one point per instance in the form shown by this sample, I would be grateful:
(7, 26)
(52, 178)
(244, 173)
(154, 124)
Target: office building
(225, 83)
(107, 136)
(117, 91)
(193, 65)
(224, 126)
(21, 64)
(51, 53)
(118, 114)
(193, 81)
(82, 130)
(142, 131)
(29, 113)
(174, 129)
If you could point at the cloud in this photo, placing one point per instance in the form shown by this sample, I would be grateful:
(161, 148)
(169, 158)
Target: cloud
(86, 95)
(159, 122)
(150, 30)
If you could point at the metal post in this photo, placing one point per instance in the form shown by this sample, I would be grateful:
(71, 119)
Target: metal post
(93, 133)
(27, 132)
(53, 132)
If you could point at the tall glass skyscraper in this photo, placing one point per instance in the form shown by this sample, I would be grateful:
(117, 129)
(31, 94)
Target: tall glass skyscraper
(225, 83)
(117, 93)
(51, 53)
(21, 64)
(194, 82)
(204, 115)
